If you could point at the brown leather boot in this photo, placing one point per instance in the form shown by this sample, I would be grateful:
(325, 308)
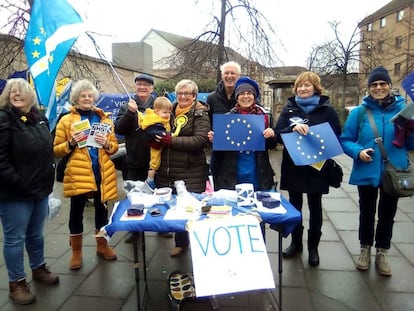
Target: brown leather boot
(103, 250)
(19, 292)
(44, 275)
(76, 243)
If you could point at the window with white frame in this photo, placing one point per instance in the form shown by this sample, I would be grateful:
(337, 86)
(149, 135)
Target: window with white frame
(382, 22)
(400, 15)
(369, 27)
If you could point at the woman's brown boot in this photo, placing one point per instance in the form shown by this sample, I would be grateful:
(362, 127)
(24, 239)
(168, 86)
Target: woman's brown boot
(76, 243)
(103, 250)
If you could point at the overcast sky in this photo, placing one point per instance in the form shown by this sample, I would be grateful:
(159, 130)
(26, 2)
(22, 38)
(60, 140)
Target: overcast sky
(299, 24)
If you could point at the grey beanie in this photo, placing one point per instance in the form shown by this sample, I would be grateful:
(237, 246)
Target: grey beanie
(245, 87)
(379, 73)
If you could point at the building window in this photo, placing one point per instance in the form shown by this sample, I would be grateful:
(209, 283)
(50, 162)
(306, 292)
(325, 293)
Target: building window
(400, 15)
(398, 42)
(369, 27)
(382, 22)
(381, 46)
(397, 69)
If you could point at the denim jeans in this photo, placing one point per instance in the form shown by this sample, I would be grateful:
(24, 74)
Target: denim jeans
(23, 223)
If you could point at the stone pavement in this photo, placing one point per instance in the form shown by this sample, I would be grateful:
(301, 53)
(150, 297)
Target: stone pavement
(334, 285)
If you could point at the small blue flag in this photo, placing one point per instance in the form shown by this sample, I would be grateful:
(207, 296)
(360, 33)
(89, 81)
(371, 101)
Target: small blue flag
(62, 105)
(238, 132)
(408, 85)
(54, 27)
(320, 144)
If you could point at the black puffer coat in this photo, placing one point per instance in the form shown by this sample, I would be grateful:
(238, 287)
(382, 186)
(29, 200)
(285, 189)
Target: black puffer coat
(185, 158)
(26, 156)
(304, 179)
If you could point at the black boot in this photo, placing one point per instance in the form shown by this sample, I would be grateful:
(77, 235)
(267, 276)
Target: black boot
(313, 242)
(296, 245)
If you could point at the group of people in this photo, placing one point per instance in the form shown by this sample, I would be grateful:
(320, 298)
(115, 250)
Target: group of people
(166, 142)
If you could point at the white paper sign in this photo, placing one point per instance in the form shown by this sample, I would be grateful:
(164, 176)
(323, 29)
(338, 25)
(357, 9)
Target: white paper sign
(229, 255)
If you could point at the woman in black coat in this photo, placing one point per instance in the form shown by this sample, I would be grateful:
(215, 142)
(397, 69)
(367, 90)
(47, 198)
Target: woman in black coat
(308, 107)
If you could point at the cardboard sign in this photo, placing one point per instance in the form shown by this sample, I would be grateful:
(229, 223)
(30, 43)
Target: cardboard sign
(229, 255)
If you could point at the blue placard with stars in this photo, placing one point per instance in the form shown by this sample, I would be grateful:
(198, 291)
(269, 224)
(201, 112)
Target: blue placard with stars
(238, 132)
(320, 144)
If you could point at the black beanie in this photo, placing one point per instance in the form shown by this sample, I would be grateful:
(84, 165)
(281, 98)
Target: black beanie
(379, 73)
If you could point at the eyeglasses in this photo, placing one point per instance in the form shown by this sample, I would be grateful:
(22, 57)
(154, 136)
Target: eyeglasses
(376, 84)
(246, 93)
(180, 94)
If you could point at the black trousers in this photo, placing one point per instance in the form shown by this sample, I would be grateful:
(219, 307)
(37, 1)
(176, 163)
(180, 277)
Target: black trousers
(387, 208)
(77, 206)
(315, 208)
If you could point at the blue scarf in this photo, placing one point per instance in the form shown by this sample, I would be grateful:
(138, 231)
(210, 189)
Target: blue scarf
(307, 104)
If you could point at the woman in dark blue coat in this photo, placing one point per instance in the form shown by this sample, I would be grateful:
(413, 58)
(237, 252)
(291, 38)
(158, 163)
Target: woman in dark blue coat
(308, 107)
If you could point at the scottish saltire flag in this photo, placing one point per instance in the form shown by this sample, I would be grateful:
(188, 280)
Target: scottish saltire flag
(62, 103)
(408, 85)
(54, 27)
(320, 144)
(238, 132)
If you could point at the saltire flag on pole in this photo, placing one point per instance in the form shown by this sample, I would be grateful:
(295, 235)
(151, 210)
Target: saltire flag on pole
(62, 103)
(408, 85)
(238, 132)
(53, 28)
(320, 144)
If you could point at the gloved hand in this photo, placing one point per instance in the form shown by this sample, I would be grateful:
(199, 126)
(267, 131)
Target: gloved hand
(166, 139)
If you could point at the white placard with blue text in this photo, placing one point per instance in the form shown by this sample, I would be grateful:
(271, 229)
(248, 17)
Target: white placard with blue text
(229, 256)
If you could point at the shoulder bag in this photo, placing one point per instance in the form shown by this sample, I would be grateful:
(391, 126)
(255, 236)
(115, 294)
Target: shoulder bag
(61, 166)
(396, 182)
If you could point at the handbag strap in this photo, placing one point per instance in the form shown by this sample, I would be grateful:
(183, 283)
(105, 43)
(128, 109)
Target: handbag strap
(378, 138)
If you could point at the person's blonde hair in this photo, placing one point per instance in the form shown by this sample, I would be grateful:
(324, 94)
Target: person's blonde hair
(80, 86)
(24, 87)
(311, 77)
(162, 102)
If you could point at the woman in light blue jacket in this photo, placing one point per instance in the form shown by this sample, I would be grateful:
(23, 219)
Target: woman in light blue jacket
(358, 141)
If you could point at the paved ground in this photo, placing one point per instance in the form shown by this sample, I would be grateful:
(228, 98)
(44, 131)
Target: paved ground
(334, 285)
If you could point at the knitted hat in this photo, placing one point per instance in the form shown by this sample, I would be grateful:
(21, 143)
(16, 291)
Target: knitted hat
(379, 73)
(245, 84)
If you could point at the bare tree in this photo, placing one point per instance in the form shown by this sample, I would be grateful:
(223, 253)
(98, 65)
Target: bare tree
(251, 33)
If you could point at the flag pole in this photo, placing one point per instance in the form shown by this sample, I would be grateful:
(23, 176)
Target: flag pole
(102, 55)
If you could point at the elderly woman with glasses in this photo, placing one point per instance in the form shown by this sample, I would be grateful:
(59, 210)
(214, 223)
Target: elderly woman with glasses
(358, 141)
(183, 156)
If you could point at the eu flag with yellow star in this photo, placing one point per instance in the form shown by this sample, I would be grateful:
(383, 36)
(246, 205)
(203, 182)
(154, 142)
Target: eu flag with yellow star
(53, 28)
(319, 144)
(238, 132)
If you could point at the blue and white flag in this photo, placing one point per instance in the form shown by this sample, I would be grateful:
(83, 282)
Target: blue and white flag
(319, 144)
(61, 105)
(54, 27)
(408, 85)
(238, 132)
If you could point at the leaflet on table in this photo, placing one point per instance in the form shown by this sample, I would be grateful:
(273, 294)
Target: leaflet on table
(102, 128)
(82, 126)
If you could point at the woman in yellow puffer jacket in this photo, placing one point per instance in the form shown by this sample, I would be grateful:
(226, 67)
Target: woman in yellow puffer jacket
(89, 171)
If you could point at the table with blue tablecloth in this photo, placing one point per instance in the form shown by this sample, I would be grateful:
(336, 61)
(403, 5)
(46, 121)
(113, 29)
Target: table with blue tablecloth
(283, 223)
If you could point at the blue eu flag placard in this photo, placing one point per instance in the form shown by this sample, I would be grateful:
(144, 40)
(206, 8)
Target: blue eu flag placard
(238, 132)
(408, 85)
(320, 144)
